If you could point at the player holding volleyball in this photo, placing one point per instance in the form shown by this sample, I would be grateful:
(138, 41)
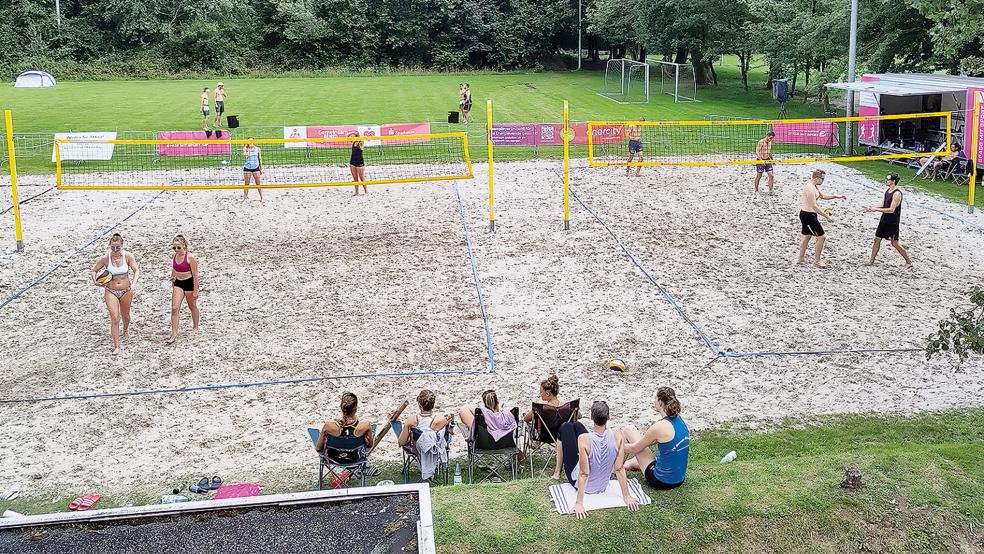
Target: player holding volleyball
(763, 152)
(888, 225)
(184, 285)
(112, 272)
(809, 216)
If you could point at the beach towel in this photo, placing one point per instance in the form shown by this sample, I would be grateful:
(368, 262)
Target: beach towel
(564, 496)
(239, 490)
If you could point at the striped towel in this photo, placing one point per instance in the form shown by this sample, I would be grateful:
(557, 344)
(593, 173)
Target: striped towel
(564, 496)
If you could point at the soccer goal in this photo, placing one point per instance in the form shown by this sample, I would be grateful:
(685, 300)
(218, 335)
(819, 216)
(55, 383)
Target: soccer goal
(677, 80)
(626, 81)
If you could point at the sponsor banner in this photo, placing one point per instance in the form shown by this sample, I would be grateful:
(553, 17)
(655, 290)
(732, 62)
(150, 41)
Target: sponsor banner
(868, 105)
(295, 133)
(329, 131)
(210, 149)
(551, 134)
(367, 131)
(82, 151)
(822, 133)
(400, 129)
(975, 127)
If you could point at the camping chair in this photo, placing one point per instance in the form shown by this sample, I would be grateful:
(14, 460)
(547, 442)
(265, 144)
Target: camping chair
(545, 427)
(497, 454)
(340, 454)
(959, 171)
(409, 450)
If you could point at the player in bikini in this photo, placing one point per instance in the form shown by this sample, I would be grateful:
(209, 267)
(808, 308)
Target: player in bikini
(119, 289)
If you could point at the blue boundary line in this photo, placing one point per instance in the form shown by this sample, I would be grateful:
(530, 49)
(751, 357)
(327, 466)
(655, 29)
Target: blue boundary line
(226, 386)
(478, 283)
(717, 352)
(44, 275)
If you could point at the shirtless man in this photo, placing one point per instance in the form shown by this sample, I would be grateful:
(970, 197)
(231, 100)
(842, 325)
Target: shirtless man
(203, 105)
(634, 134)
(763, 151)
(888, 225)
(809, 214)
(220, 96)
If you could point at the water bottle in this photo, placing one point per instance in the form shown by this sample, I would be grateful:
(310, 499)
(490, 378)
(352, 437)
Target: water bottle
(173, 499)
(457, 474)
(729, 457)
(341, 479)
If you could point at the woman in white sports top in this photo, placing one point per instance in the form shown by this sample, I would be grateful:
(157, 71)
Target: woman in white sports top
(112, 272)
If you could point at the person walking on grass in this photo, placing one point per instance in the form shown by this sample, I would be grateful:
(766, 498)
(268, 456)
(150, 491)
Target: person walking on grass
(203, 106)
(357, 164)
(634, 134)
(252, 168)
(219, 95)
(184, 285)
(465, 102)
(112, 272)
(763, 152)
(809, 216)
(888, 225)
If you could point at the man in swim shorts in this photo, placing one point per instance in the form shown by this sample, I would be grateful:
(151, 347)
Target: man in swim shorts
(203, 105)
(763, 152)
(634, 134)
(809, 216)
(220, 96)
(891, 216)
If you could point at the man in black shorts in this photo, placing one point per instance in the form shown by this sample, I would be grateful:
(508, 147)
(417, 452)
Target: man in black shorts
(809, 215)
(888, 225)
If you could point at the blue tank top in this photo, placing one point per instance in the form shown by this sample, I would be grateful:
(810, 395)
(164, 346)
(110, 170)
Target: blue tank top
(252, 159)
(671, 464)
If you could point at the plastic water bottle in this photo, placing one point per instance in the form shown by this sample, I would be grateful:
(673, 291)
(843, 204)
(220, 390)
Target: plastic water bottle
(173, 499)
(341, 479)
(457, 474)
(729, 457)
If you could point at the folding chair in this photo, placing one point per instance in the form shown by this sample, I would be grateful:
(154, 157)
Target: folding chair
(497, 454)
(409, 450)
(959, 171)
(340, 454)
(545, 427)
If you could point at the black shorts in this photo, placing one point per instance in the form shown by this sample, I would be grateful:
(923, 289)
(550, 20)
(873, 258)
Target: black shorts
(220, 107)
(635, 146)
(656, 483)
(357, 164)
(187, 285)
(811, 224)
(205, 111)
(887, 230)
(257, 170)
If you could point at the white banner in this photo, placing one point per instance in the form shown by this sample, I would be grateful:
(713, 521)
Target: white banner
(370, 131)
(295, 133)
(83, 151)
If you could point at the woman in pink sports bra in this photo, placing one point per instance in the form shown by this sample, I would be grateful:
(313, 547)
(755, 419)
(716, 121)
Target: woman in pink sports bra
(184, 280)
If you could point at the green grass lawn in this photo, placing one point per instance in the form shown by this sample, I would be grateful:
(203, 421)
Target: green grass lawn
(923, 484)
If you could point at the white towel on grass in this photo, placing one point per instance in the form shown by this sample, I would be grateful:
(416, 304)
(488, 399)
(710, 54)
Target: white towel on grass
(564, 497)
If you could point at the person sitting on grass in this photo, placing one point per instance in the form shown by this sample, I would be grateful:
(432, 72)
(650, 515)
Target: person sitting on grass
(349, 426)
(590, 458)
(500, 422)
(671, 437)
(549, 389)
(431, 447)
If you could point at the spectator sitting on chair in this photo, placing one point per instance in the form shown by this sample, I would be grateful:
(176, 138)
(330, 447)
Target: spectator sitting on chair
(941, 165)
(549, 388)
(670, 435)
(500, 422)
(426, 420)
(349, 426)
(431, 446)
(591, 457)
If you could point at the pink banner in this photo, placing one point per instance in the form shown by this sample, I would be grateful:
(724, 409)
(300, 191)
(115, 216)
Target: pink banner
(823, 133)
(401, 129)
(211, 149)
(868, 105)
(974, 127)
(330, 131)
(550, 134)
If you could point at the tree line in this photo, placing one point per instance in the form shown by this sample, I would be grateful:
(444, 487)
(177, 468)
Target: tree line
(154, 38)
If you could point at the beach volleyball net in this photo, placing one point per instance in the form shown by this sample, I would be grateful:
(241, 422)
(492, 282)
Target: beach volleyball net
(733, 142)
(171, 164)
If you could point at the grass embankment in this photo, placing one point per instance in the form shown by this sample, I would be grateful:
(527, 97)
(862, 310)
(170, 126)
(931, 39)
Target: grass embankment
(924, 481)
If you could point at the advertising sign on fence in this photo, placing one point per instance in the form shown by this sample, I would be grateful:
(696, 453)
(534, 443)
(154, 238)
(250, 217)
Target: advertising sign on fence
(84, 151)
(368, 131)
(551, 134)
(822, 133)
(210, 149)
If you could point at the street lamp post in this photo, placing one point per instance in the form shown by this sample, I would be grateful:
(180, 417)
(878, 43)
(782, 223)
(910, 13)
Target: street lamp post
(578, 34)
(852, 52)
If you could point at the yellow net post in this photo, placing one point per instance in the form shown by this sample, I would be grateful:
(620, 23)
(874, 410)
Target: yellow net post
(974, 145)
(567, 166)
(488, 144)
(12, 158)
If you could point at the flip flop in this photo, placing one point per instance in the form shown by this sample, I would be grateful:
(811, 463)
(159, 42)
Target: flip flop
(84, 503)
(201, 487)
(215, 484)
(12, 492)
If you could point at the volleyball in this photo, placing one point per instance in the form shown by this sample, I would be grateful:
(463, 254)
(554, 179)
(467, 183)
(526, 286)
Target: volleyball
(617, 365)
(828, 211)
(104, 277)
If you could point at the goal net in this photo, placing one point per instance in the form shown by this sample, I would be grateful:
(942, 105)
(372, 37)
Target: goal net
(677, 80)
(626, 81)
(169, 164)
(733, 142)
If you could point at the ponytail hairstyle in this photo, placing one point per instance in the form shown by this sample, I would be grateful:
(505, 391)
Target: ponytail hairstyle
(426, 400)
(671, 405)
(182, 240)
(115, 237)
(350, 403)
(551, 384)
(490, 400)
